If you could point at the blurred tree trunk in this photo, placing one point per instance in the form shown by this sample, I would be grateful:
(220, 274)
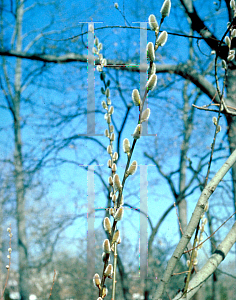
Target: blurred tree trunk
(231, 120)
(18, 163)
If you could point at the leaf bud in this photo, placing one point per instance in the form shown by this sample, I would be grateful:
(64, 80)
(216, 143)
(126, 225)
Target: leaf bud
(104, 291)
(214, 120)
(224, 65)
(107, 92)
(126, 145)
(153, 22)
(116, 236)
(108, 271)
(232, 4)
(97, 281)
(109, 163)
(119, 213)
(162, 39)
(114, 198)
(110, 180)
(96, 41)
(218, 129)
(115, 156)
(230, 57)
(233, 33)
(133, 168)
(99, 46)
(106, 246)
(165, 9)
(116, 182)
(114, 168)
(136, 97)
(102, 76)
(111, 110)
(152, 70)
(228, 41)
(145, 115)
(106, 133)
(104, 104)
(112, 138)
(151, 84)
(107, 224)
(108, 119)
(109, 149)
(137, 132)
(150, 51)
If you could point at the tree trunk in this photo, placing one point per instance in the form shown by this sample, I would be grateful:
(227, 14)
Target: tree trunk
(18, 165)
(231, 120)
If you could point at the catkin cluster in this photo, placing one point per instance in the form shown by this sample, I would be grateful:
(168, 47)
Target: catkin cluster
(116, 185)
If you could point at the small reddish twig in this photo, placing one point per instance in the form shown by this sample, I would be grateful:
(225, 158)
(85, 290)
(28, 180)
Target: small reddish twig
(53, 281)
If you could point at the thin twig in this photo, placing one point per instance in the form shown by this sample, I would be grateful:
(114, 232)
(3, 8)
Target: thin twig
(53, 281)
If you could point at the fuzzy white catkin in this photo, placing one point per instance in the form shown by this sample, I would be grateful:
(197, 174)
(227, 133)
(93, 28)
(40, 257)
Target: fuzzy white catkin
(150, 51)
(145, 115)
(116, 182)
(153, 22)
(152, 70)
(96, 280)
(109, 149)
(104, 105)
(119, 214)
(152, 81)
(214, 120)
(230, 57)
(110, 180)
(162, 39)
(111, 110)
(107, 224)
(165, 9)
(126, 145)
(232, 4)
(233, 33)
(133, 168)
(106, 246)
(224, 65)
(96, 41)
(136, 97)
(116, 236)
(228, 41)
(113, 168)
(137, 132)
(112, 138)
(106, 133)
(218, 129)
(107, 92)
(109, 270)
(115, 156)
